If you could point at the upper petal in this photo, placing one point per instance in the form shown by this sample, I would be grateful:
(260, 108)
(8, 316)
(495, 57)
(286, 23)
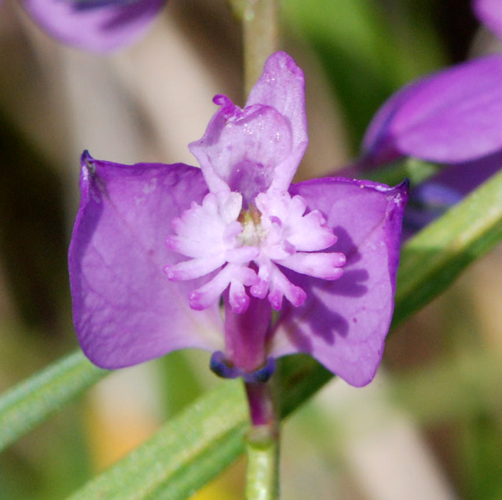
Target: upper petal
(242, 148)
(452, 116)
(343, 323)
(490, 13)
(282, 87)
(95, 25)
(125, 309)
(260, 147)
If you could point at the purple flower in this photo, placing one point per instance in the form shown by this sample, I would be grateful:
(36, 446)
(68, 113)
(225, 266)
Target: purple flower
(453, 117)
(95, 25)
(156, 246)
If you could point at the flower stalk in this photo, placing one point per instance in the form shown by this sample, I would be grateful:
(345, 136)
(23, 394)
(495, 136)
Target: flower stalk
(262, 439)
(261, 37)
(262, 467)
(260, 23)
(262, 445)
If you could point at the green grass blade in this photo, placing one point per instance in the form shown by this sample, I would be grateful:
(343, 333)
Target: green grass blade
(187, 452)
(34, 400)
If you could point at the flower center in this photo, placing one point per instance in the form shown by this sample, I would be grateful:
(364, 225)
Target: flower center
(252, 231)
(252, 248)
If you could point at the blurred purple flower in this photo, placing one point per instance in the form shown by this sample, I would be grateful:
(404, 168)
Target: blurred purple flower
(453, 117)
(322, 252)
(490, 13)
(94, 25)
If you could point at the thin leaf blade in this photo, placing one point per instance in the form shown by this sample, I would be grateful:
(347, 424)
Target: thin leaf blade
(34, 400)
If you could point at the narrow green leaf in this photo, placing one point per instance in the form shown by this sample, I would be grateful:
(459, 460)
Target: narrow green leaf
(198, 444)
(33, 401)
(187, 452)
(195, 447)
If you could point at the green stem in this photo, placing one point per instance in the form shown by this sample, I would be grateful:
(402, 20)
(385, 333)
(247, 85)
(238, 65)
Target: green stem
(260, 22)
(262, 444)
(261, 37)
(262, 475)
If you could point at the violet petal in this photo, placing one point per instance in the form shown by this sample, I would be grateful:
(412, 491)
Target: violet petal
(343, 323)
(452, 116)
(125, 309)
(282, 87)
(97, 26)
(379, 145)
